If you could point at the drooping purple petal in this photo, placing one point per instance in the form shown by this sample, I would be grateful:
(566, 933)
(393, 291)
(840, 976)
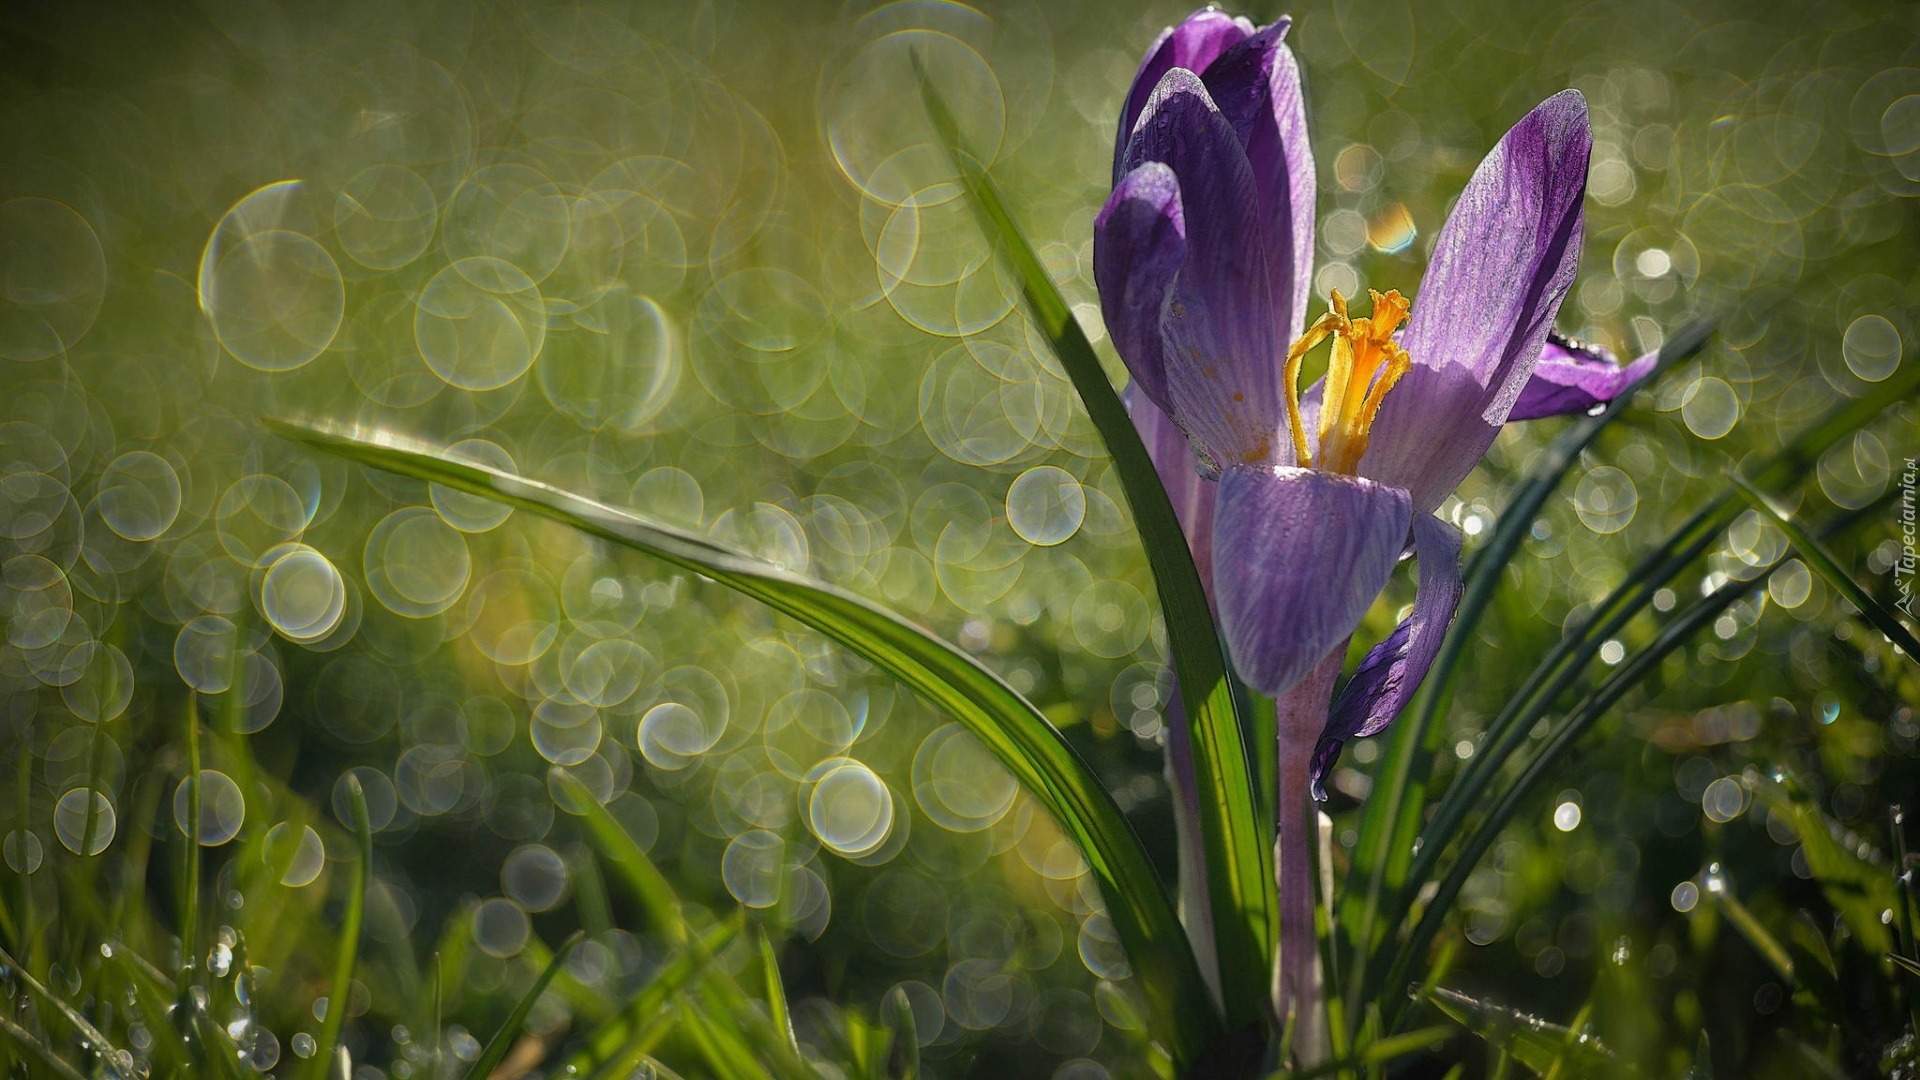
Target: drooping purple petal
(1574, 376)
(1193, 45)
(1299, 554)
(1500, 268)
(1393, 669)
(1139, 242)
(1222, 382)
(1191, 495)
(1256, 84)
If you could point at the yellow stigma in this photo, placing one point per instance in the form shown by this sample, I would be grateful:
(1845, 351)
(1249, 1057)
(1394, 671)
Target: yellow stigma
(1366, 364)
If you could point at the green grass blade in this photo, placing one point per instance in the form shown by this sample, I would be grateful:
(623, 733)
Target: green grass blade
(1756, 932)
(774, 1045)
(1572, 654)
(1239, 852)
(502, 1040)
(1533, 1042)
(349, 950)
(96, 1042)
(1379, 1052)
(1828, 567)
(1579, 719)
(439, 1024)
(1392, 818)
(190, 903)
(620, 1045)
(20, 1036)
(903, 1051)
(1005, 723)
(1857, 888)
(649, 885)
(776, 993)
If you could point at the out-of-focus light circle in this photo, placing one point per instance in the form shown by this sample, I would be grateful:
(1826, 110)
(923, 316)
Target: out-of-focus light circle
(139, 495)
(958, 783)
(417, 565)
(1724, 799)
(384, 216)
(1871, 347)
(565, 734)
(1045, 505)
(535, 877)
(53, 277)
(500, 927)
(1606, 499)
(1712, 408)
(203, 653)
(294, 853)
(222, 808)
(671, 735)
(1566, 816)
(302, 595)
(104, 687)
(23, 851)
(753, 867)
(85, 821)
(480, 323)
(276, 300)
(850, 809)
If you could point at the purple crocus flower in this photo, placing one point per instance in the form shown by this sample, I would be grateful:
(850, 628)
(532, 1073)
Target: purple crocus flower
(1203, 256)
(1298, 504)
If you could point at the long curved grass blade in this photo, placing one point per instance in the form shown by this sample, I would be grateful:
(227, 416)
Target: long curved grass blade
(776, 994)
(97, 1043)
(1533, 1042)
(620, 1045)
(772, 1040)
(1827, 566)
(349, 950)
(1570, 656)
(1755, 931)
(1392, 817)
(1578, 721)
(724, 1054)
(502, 1040)
(1377, 1053)
(649, 885)
(1857, 887)
(190, 905)
(1239, 853)
(20, 1036)
(1005, 723)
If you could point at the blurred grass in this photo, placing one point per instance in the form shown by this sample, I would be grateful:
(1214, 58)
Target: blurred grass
(718, 294)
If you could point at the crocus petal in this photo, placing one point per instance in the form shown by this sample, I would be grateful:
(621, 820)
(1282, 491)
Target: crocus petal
(1139, 242)
(1192, 496)
(1393, 669)
(1573, 376)
(1299, 554)
(1193, 45)
(1256, 84)
(1222, 384)
(1500, 268)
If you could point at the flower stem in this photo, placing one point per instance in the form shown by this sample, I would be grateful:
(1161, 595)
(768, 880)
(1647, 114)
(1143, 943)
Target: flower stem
(1196, 910)
(1301, 714)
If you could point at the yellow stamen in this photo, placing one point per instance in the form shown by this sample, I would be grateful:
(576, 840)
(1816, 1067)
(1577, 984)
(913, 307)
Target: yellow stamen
(1366, 364)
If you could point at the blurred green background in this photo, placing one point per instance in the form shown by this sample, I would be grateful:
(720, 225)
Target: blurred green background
(679, 257)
